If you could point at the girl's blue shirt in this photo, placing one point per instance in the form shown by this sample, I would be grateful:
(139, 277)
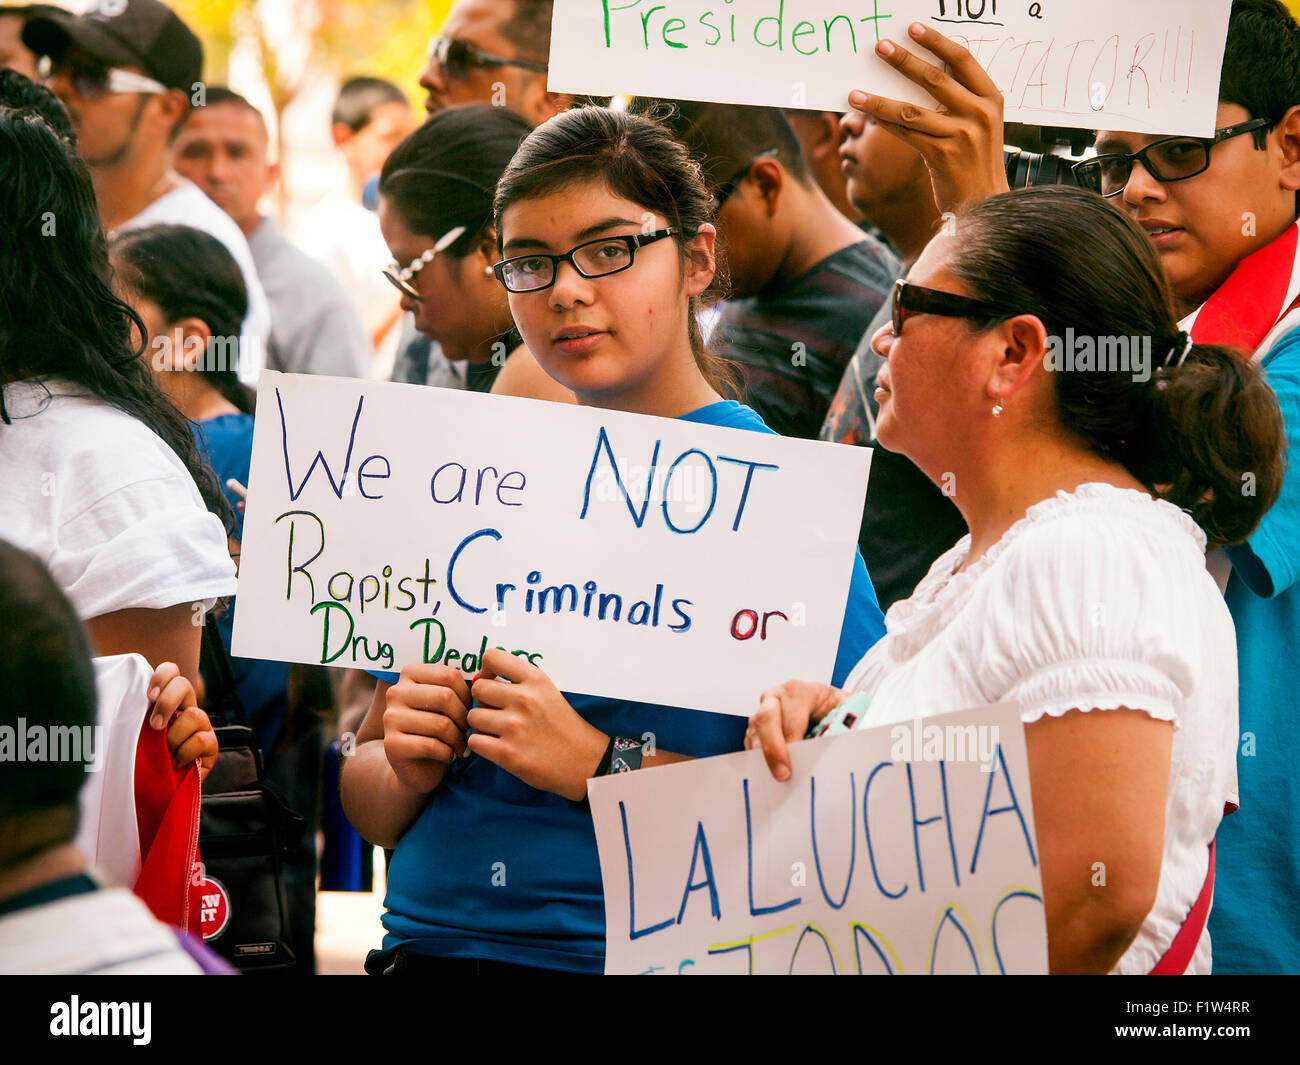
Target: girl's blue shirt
(495, 869)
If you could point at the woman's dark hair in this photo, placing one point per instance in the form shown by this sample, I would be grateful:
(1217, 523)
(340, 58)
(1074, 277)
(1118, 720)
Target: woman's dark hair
(443, 175)
(20, 93)
(637, 159)
(59, 315)
(190, 274)
(1206, 435)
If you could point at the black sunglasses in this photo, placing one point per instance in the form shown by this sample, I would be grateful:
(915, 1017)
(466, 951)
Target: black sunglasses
(458, 57)
(909, 297)
(1166, 160)
(725, 190)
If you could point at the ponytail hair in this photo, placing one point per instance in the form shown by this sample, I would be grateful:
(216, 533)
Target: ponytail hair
(1217, 442)
(190, 274)
(1200, 428)
(637, 158)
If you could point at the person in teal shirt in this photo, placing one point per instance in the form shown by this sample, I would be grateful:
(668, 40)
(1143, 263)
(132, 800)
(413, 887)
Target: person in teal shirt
(1255, 922)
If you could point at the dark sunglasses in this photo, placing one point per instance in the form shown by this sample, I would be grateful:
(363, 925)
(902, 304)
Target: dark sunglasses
(725, 190)
(458, 57)
(1166, 160)
(918, 300)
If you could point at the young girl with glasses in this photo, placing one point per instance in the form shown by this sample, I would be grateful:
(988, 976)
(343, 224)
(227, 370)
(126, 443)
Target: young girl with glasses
(604, 223)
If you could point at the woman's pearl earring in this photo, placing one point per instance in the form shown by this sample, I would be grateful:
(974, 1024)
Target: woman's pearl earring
(997, 408)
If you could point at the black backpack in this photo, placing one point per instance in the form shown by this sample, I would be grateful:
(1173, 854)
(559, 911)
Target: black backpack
(245, 833)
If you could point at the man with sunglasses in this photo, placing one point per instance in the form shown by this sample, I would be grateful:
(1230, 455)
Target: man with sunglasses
(125, 70)
(494, 51)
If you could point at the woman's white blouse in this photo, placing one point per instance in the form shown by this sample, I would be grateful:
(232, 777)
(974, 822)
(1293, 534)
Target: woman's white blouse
(105, 504)
(1096, 599)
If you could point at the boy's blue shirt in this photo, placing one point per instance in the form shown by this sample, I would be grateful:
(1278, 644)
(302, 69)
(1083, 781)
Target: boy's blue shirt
(1255, 920)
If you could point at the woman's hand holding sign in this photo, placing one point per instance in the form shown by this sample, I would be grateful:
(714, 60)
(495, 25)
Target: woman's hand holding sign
(784, 716)
(524, 724)
(425, 724)
(961, 141)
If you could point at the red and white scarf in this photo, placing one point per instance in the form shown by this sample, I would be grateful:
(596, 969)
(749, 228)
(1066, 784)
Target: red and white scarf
(1258, 304)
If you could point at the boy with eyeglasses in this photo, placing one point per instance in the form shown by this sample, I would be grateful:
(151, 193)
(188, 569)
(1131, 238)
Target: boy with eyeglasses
(1221, 212)
(125, 70)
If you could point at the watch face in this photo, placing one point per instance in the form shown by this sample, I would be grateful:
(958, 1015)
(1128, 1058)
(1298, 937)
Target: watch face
(843, 718)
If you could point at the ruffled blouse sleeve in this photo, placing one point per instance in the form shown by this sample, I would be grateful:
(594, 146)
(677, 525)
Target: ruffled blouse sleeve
(1095, 613)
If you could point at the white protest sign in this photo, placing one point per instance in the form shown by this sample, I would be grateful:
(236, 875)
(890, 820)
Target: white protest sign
(649, 559)
(903, 849)
(1146, 67)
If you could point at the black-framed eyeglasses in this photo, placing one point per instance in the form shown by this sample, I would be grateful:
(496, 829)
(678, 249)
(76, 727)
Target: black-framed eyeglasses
(401, 277)
(915, 298)
(1166, 160)
(725, 190)
(458, 57)
(595, 258)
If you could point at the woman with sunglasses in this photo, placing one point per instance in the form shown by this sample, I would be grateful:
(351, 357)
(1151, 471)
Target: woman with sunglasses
(1091, 485)
(605, 225)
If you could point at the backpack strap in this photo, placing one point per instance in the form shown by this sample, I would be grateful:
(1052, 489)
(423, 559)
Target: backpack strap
(222, 702)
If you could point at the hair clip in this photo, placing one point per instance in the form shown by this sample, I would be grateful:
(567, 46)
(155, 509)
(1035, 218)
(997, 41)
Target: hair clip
(1186, 341)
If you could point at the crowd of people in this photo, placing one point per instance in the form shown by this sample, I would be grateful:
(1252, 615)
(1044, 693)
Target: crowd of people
(1115, 552)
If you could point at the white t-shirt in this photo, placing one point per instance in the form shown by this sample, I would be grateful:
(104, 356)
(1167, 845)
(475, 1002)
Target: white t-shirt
(1097, 599)
(105, 504)
(108, 932)
(186, 205)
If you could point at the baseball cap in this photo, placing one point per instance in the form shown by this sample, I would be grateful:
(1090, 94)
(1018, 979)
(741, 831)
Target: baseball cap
(128, 33)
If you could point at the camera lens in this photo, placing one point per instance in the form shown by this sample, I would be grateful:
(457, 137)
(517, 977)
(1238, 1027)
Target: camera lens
(1030, 168)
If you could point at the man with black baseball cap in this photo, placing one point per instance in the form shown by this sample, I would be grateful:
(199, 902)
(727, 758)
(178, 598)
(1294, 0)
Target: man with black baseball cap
(128, 72)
